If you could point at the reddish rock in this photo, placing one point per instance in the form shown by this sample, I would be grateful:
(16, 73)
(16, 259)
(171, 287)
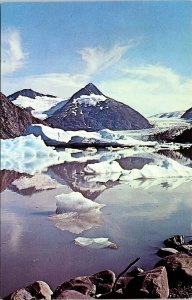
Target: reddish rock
(72, 294)
(166, 251)
(14, 119)
(151, 284)
(20, 294)
(179, 268)
(174, 241)
(80, 284)
(104, 281)
(40, 289)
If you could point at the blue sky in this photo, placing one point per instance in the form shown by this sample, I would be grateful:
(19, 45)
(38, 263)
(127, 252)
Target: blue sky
(139, 53)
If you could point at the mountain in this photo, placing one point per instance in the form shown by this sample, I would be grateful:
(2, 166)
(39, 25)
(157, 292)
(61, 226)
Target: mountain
(173, 114)
(90, 110)
(188, 114)
(14, 120)
(41, 105)
(27, 93)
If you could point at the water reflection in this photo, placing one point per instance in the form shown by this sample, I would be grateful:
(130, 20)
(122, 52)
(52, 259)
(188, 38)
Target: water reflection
(7, 177)
(137, 216)
(75, 213)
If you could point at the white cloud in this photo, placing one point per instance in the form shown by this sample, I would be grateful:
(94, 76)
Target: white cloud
(150, 89)
(98, 59)
(58, 84)
(13, 56)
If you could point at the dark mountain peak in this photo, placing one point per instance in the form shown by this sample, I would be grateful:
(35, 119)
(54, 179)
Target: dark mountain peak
(89, 89)
(27, 93)
(188, 114)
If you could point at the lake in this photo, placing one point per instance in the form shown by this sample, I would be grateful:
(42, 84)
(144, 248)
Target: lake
(37, 243)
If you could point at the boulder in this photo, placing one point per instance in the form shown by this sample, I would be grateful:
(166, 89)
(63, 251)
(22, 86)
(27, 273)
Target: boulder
(40, 290)
(104, 281)
(179, 268)
(174, 241)
(186, 249)
(20, 295)
(81, 284)
(166, 251)
(150, 284)
(72, 294)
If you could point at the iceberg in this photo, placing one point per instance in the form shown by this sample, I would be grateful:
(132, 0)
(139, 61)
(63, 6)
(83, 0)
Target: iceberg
(56, 136)
(95, 242)
(75, 213)
(161, 168)
(28, 154)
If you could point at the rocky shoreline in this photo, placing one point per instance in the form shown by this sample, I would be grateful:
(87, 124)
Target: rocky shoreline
(171, 277)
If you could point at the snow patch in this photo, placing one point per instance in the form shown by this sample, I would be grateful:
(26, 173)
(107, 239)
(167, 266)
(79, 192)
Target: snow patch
(89, 100)
(40, 105)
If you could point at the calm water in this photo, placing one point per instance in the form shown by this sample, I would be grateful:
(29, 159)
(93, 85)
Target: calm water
(138, 216)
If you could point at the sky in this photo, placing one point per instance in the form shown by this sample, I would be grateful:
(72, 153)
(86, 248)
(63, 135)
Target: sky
(137, 52)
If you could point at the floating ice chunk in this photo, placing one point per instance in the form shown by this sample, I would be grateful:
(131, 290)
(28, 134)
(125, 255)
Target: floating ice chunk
(75, 213)
(95, 242)
(76, 202)
(28, 154)
(55, 136)
(103, 167)
(162, 169)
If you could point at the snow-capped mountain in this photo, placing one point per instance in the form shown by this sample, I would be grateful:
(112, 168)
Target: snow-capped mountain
(90, 110)
(42, 105)
(187, 115)
(14, 119)
(173, 114)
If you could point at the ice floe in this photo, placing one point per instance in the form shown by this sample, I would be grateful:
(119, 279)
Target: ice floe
(162, 168)
(55, 137)
(75, 213)
(76, 202)
(28, 154)
(95, 242)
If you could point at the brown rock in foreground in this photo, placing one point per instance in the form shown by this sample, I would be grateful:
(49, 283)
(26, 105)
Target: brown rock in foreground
(14, 120)
(81, 284)
(37, 290)
(179, 268)
(150, 284)
(72, 294)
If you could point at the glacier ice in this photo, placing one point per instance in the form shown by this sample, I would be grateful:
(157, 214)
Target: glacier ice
(55, 136)
(161, 168)
(75, 213)
(28, 154)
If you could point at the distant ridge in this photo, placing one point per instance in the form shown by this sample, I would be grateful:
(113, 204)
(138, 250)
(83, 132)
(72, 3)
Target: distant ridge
(27, 93)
